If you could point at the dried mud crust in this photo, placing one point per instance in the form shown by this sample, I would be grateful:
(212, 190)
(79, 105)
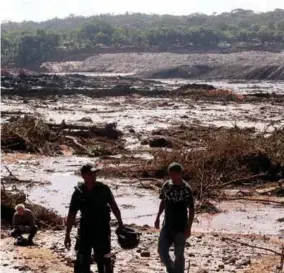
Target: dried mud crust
(208, 252)
(244, 65)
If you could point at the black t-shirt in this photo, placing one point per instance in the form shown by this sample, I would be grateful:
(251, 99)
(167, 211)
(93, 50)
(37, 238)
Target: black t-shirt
(94, 206)
(177, 198)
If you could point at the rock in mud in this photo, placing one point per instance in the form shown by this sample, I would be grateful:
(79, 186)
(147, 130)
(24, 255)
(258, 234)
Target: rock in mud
(202, 271)
(196, 86)
(145, 254)
(158, 142)
(85, 119)
(244, 262)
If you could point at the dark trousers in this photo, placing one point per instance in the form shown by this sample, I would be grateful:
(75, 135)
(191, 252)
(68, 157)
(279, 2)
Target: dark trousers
(19, 231)
(166, 239)
(100, 242)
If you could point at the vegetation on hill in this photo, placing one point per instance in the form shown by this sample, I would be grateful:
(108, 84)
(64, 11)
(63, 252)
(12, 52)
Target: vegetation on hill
(30, 42)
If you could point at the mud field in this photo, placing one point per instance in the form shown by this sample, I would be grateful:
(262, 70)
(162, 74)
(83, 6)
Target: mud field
(244, 65)
(132, 128)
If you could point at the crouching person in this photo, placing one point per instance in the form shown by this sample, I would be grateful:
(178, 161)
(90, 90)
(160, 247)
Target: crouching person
(177, 202)
(24, 223)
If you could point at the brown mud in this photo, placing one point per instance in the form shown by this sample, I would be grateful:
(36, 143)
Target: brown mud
(243, 65)
(229, 140)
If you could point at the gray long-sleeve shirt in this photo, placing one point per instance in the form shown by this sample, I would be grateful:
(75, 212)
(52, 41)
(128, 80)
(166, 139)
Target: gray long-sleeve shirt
(27, 219)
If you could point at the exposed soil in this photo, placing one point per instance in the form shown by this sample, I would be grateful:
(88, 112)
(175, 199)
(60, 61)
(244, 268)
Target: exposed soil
(244, 65)
(210, 252)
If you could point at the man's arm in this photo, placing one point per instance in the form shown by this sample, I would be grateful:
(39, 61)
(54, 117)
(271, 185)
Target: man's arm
(31, 219)
(73, 209)
(161, 207)
(15, 221)
(160, 211)
(116, 211)
(70, 222)
(191, 213)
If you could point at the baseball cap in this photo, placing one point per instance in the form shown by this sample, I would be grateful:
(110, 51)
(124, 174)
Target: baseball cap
(175, 167)
(88, 168)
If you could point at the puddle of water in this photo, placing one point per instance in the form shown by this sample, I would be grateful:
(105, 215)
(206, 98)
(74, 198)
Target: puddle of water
(137, 207)
(140, 206)
(57, 194)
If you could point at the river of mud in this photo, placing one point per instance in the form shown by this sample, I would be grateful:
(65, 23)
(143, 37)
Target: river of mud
(139, 206)
(258, 223)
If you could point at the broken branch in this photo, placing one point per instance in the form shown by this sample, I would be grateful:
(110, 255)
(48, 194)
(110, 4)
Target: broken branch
(253, 246)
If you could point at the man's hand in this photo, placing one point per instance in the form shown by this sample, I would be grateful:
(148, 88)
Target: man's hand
(67, 241)
(157, 223)
(187, 233)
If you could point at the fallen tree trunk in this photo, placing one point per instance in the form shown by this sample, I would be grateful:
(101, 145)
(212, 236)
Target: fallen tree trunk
(109, 130)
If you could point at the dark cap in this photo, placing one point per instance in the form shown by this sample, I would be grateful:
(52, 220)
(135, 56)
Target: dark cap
(175, 167)
(88, 168)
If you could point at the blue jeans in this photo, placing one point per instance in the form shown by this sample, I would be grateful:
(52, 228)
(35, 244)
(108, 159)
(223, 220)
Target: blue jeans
(166, 239)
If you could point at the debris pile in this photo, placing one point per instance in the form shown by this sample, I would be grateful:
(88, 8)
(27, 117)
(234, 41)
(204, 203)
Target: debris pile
(29, 134)
(45, 218)
(208, 92)
(214, 158)
(226, 157)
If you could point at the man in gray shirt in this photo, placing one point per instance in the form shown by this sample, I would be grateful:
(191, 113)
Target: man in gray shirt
(24, 223)
(177, 202)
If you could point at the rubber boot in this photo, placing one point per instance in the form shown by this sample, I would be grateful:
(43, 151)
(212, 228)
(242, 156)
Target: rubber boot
(109, 264)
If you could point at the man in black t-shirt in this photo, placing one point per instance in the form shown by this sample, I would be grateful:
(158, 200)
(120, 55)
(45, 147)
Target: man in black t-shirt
(177, 202)
(95, 201)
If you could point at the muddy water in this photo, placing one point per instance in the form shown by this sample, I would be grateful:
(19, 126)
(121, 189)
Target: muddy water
(145, 115)
(139, 206)
(242, 87)
(243, 217)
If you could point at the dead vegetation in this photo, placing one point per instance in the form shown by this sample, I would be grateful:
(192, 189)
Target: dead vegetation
(215, 158)
(29, 134)
(225, 158)
(208, 93)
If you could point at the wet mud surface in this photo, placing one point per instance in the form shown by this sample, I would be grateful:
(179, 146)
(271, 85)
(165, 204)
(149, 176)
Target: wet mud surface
(256, 223)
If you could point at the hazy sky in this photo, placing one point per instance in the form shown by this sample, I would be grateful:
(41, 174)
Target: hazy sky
(39, 10)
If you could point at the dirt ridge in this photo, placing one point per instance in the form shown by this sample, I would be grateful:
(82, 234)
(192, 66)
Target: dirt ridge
(243, 65)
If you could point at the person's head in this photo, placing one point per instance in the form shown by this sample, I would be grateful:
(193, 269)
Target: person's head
(175, 172)
(89, 173)
(20, 209)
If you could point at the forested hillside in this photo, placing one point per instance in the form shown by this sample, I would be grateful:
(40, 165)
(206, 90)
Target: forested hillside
(30, 42)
